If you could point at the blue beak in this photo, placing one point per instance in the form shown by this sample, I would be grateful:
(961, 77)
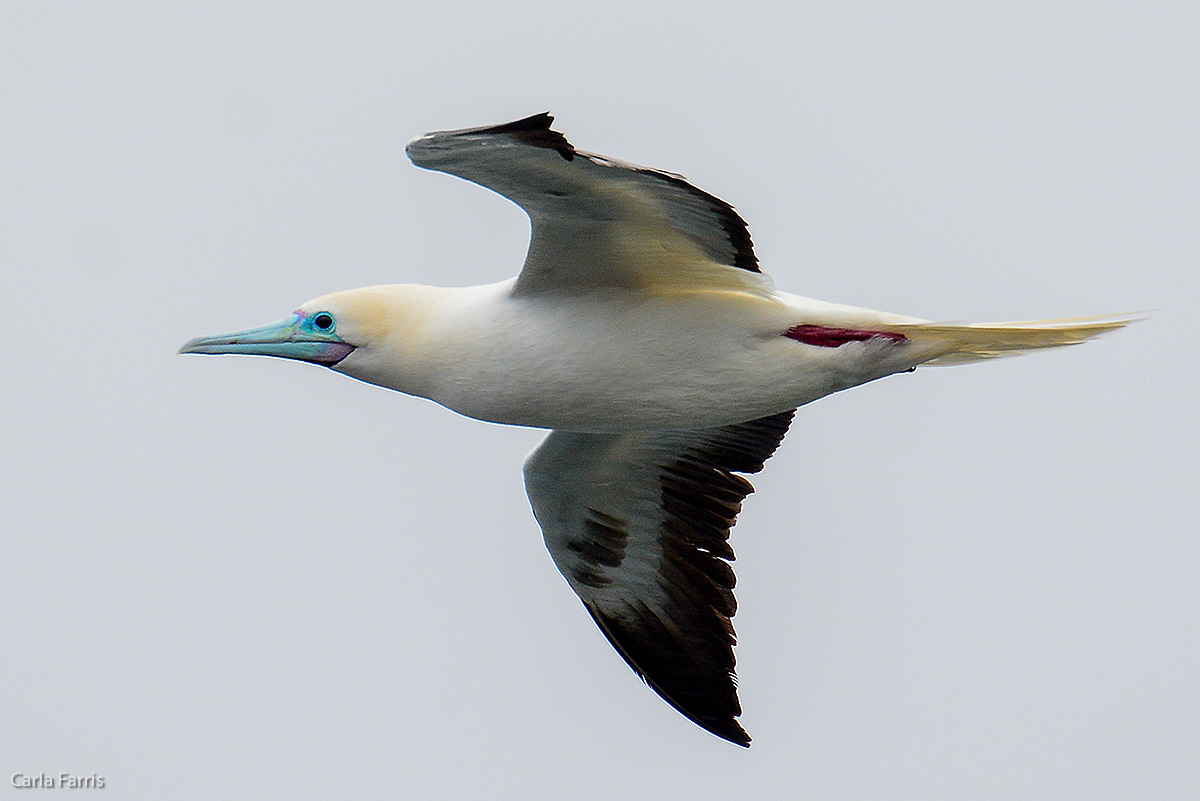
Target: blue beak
(291, 338)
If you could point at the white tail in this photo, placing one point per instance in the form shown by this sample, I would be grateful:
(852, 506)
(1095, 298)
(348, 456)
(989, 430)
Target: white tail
(961, 343)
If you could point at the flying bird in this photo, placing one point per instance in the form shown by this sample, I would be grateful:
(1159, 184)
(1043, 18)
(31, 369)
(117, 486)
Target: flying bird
(642, 332)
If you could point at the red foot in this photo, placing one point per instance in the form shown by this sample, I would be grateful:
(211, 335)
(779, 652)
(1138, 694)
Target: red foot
(824, 337)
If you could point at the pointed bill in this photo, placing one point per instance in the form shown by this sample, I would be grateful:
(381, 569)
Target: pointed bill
(289, 338)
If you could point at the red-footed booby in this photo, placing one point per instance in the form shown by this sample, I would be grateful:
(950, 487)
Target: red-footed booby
(641, 331)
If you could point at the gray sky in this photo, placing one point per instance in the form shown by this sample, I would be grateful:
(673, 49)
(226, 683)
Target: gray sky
(250, 578)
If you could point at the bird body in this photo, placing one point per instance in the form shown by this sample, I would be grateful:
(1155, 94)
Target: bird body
(607, 361)
(641, 331)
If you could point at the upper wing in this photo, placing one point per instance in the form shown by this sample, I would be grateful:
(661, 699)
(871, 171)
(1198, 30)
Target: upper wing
(597, 223)
(639, 526)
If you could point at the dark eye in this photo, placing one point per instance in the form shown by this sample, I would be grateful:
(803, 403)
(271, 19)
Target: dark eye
(323, 321)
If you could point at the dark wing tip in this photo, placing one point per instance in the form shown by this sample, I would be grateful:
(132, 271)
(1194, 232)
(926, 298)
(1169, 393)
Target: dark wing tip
(704, 691)
(534, 130)
(734, 734)
(534, 122)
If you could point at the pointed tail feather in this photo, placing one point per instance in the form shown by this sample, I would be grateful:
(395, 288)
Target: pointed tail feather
(959, 343)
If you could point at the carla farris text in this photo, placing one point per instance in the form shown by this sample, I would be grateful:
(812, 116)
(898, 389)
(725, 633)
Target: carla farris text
(26, 781)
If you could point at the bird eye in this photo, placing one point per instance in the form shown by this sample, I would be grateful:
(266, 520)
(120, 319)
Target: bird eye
(323, 321)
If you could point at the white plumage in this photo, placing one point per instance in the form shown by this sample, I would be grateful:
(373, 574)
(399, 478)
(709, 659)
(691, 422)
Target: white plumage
(641, 330)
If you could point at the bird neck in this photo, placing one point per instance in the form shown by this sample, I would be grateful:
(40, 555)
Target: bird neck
(407, 333)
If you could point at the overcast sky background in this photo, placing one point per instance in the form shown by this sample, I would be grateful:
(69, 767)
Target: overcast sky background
(252, 578)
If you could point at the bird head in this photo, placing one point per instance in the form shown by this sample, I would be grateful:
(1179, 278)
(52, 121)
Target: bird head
(375, 334)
